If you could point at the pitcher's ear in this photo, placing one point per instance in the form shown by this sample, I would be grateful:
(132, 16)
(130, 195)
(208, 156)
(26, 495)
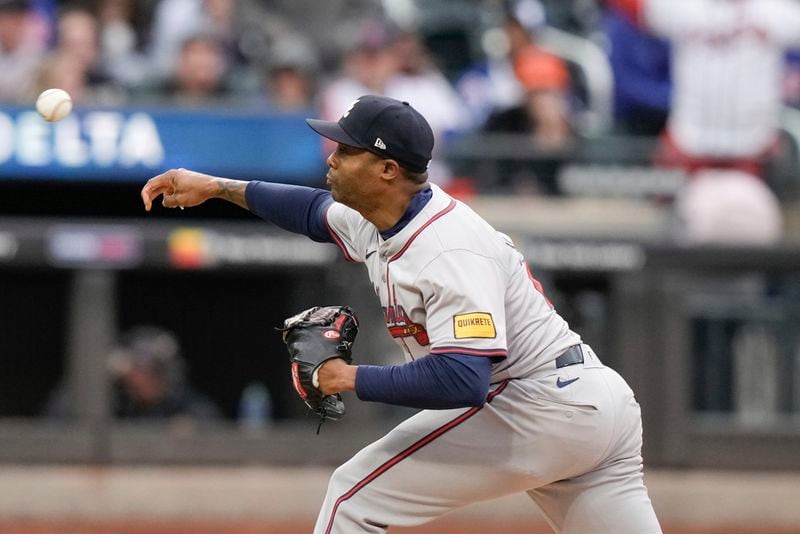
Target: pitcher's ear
(391, 169)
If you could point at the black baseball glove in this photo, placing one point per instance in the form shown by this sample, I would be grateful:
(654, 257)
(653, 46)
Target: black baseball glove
(313, 337)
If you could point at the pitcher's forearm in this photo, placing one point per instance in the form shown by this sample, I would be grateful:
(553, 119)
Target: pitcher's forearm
(230, 190)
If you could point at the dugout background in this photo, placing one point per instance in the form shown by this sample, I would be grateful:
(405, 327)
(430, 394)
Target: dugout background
(667, 318)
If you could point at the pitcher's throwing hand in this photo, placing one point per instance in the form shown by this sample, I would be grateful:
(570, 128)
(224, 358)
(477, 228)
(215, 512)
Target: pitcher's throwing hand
(182, 188)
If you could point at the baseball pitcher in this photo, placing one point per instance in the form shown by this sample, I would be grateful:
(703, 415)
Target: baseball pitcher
(511, 399)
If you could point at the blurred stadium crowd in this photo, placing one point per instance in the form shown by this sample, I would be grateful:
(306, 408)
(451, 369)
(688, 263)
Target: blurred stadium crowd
(710, 78)
(710, 82)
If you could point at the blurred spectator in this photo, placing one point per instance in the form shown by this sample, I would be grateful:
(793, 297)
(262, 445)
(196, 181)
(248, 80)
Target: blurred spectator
(289, 88)
(148, 378)
(77, 36)
(367, 66)
(727, 207)
(727, 62)
(419, 82)
(488, 86)
(121, 25)
(199, 78)
(200, 74)
(543, 115)
(290, 80)
(21, 51)
(545, 108)
(544, 112)
(491, 84)
(175, 21)
(641, 65)
(75, 62)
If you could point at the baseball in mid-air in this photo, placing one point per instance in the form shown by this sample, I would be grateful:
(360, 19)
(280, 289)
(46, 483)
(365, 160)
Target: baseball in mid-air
(54, 104)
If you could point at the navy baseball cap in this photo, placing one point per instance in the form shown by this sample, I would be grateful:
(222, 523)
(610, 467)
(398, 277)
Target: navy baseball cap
(384, 126)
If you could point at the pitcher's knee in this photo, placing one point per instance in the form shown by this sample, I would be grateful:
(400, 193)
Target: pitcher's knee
(342, 486)
(343, 478)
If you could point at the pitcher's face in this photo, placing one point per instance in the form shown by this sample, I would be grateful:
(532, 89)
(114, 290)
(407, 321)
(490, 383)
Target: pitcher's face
(353, 175)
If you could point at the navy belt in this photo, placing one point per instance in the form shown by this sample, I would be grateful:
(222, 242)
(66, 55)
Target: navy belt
(571, 356)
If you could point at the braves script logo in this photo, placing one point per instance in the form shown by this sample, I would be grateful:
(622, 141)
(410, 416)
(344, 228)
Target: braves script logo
(400, 324)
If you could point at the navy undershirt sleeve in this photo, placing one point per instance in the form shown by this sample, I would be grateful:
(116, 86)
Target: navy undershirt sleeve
(435, 382)
(296, 208)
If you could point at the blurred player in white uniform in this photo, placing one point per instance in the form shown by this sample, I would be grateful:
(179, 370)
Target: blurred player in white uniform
(728, 59)
(511, 399)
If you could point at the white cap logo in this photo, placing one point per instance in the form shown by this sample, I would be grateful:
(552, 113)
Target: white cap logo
(346, 113)
(380, 144)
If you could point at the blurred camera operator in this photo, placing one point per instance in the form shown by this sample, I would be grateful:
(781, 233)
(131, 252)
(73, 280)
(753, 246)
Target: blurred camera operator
(148, 380)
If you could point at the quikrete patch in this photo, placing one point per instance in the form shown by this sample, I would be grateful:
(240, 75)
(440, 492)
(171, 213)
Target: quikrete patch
(476, 324)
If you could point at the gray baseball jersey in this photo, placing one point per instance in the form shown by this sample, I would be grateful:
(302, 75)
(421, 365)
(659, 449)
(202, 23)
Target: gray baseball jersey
(569, 436)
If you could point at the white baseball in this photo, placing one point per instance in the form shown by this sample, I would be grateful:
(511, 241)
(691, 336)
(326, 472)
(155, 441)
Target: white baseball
(54, 104)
